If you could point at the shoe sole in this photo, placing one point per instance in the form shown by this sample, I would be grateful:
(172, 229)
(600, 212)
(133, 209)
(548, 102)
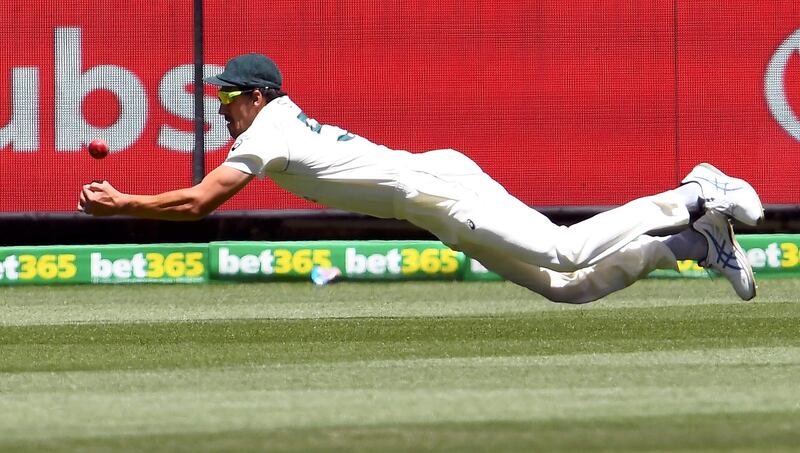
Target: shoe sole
(741, 255)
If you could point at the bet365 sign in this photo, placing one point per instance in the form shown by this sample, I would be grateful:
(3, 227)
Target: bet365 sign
(161, 263)
(358, 260)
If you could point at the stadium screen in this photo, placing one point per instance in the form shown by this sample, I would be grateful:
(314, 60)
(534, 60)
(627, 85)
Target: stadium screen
(562, 102)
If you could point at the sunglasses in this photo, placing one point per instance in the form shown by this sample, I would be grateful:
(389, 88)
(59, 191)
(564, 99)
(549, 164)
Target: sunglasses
(226, 97)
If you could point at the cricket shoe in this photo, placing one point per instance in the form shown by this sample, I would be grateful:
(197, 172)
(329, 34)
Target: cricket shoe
(725, 255)
(733, 197)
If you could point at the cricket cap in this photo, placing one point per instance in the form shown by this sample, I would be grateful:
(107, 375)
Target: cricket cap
(250, 70)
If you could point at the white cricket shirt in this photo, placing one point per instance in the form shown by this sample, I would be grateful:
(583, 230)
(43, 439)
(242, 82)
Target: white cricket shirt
(331, 166)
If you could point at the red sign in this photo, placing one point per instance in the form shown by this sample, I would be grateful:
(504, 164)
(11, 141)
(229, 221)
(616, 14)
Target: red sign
(563, 103)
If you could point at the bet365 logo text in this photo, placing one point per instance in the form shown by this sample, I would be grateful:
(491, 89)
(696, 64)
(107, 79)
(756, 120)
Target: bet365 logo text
(148, 266)
(775, 256)
(47, 267)
(280, 261)
(406, 261)
(352, 261)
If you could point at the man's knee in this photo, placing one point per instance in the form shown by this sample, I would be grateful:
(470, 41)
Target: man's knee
(569, 260)
(568, 296)
(568, 288)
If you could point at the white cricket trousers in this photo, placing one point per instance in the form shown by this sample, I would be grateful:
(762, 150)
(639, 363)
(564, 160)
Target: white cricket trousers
(469, 211)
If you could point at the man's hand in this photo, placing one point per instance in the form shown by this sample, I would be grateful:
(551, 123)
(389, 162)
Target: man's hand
(100, 198)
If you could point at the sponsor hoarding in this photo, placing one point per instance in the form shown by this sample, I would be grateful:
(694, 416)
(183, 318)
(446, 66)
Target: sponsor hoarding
(157, 263)
(357, 260)
(772, 255)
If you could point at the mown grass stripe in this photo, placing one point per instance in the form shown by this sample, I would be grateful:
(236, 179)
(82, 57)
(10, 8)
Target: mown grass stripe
(485, 370)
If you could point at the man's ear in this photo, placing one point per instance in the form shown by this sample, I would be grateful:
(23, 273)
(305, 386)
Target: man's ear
(258, 98)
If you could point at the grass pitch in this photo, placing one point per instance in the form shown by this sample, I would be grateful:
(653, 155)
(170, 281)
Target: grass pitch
(664, 365)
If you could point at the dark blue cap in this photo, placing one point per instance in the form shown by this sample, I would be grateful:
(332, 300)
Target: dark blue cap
(250, 70)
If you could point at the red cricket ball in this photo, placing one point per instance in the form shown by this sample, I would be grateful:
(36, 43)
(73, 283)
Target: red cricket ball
(98, 148)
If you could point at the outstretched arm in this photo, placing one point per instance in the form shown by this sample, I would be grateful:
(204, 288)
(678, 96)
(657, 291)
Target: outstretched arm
(192, 203)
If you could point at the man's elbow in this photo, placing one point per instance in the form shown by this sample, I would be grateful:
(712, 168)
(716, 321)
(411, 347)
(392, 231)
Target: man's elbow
(197, 211)
(189, 210)
(200, 208)
(196, 205)
(211, 193)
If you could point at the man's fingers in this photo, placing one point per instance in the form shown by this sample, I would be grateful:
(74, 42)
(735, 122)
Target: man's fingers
(93, 197)
(98, 184)
(83, 203)
(87, 190)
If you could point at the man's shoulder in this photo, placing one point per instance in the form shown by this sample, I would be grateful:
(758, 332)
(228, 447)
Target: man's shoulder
(283, 104)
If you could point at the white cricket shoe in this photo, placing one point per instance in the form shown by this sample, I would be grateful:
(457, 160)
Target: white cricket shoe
(731, 196)
(725, 255)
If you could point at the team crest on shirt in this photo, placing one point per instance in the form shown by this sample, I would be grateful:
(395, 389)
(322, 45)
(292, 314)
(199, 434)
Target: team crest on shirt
(239, 141)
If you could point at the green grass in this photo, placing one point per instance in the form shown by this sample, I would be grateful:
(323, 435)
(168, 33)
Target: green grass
(662, 366)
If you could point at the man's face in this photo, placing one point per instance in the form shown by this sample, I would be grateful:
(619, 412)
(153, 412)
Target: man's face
(241, 109)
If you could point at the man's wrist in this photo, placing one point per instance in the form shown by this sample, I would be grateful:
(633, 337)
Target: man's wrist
(125, 204)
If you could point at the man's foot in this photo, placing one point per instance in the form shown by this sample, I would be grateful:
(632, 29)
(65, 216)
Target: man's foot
(725, 255)
(733, 197)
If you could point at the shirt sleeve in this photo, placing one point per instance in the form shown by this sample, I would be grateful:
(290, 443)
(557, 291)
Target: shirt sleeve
(253, 156)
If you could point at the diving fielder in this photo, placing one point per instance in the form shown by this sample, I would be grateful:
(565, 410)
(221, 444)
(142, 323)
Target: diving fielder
(446, 193)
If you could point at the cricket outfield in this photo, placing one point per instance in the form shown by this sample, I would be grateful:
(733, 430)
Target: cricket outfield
(667, 365)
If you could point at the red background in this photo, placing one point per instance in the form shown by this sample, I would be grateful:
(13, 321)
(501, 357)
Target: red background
(563, 103)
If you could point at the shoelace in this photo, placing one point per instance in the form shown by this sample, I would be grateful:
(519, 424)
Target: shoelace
(722, 186)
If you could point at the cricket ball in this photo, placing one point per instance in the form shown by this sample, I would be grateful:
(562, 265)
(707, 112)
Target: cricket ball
(98, 148)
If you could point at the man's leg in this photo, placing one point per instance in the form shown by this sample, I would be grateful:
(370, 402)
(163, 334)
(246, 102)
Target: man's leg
(710, 241)
(686, 245)
(516, 231)
(497, 219)
(632, 262)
